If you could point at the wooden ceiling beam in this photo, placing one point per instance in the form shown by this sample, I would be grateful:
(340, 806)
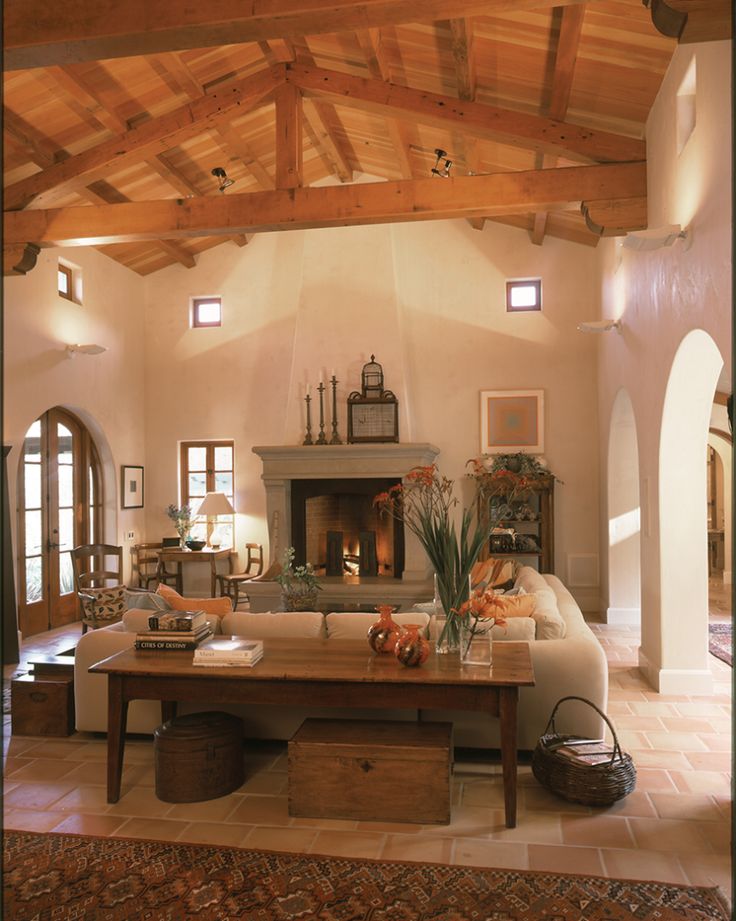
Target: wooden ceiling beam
(289, 151)
(464, 57)
(242, 150)
(149, 139)
(692, 20)
(614, 217)
(39, 34)
(546, 135)
(315, 119)
(492, 195)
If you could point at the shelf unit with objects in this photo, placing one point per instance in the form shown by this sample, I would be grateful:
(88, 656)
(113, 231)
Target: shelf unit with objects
(526, 527)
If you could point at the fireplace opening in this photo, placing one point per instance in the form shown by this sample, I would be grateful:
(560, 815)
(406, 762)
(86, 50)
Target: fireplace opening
(335, 527)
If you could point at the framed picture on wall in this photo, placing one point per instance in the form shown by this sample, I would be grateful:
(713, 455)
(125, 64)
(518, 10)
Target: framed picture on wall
(132, 487)
(511, 421)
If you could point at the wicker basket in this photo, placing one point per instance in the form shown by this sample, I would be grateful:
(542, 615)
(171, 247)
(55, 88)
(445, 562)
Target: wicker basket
(567, 776)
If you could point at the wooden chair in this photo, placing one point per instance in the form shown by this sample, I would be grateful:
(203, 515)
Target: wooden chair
(145, 563)
(165, 575)
(230, 584)
(90, 581)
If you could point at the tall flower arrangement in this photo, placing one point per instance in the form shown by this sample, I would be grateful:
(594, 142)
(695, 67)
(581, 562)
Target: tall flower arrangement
(183, 520)
(425, 503)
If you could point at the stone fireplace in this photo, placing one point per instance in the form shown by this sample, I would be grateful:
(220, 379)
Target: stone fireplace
(313, 489)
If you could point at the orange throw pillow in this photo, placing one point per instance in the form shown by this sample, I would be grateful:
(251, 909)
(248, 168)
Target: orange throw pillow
(221, 605)
(516, 605)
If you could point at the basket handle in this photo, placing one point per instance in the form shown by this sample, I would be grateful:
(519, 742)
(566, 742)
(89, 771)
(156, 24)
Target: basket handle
(616, 745)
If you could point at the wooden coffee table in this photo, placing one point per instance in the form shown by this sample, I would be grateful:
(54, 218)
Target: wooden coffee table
(321, 673)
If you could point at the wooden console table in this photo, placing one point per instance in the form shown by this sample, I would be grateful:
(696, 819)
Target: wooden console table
(206, 555)
(321, 673)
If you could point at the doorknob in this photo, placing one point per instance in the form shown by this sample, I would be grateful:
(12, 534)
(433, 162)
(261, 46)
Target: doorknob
(51, 545)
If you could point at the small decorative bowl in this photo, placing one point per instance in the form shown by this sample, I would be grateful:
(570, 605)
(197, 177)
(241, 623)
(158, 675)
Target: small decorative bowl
(196, 544)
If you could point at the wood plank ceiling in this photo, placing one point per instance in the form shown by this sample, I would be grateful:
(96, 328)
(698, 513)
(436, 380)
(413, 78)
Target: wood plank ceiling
(113, 125)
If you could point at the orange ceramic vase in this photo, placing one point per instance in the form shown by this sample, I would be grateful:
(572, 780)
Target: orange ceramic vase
(382, 635)
(412, 649)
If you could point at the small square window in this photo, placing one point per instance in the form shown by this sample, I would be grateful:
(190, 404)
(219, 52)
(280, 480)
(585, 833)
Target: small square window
(206, 311)
(524, 295)
(64, 282)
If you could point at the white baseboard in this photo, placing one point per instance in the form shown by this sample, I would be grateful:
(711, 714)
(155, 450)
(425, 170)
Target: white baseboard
(676, 680)
(623, 615)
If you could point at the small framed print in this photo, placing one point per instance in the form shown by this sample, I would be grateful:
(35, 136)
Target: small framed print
(132, 487)
(511, 421)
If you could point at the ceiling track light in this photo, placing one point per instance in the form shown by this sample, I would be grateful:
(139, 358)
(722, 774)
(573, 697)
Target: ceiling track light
(223, 182)
(658, 238)
(442, 171)
(599, 326)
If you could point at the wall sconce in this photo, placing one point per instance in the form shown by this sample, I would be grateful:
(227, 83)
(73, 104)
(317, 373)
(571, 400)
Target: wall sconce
(600, 326)
(658, 237)
(442, 171)
(223, 182)
(91, 349)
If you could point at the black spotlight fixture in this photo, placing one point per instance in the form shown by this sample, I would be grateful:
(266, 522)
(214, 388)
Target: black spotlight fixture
(442, 171)
(224, 183)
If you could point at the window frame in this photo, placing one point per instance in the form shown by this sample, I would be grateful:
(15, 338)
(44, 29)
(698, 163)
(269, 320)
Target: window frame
(68, 273)
(210, 472)
(197, 302)
(512, 284)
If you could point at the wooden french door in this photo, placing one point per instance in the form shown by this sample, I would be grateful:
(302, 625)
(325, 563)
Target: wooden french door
(59, 501)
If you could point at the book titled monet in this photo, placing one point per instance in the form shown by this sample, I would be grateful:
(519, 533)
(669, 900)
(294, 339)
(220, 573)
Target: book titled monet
(229, 649)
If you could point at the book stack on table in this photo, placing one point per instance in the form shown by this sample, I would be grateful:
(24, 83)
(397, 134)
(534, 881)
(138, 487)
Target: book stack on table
(228, 650)
(174, 630)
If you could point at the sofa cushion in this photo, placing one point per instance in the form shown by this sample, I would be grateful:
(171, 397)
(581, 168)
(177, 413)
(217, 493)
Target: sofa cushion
(551, 624)
(103, 603)
(146, 601)
(515, 629)
(273, 623)
(511, 606)
(177, 602)
(136, 621)
(495, 572)
(352, 625)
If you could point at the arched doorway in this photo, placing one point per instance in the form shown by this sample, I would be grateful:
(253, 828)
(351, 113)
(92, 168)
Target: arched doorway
(675, 643)
(624, 515)
(60, 500)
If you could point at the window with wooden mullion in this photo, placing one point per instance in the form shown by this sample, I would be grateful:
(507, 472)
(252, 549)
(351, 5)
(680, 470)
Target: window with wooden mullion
(209, 466)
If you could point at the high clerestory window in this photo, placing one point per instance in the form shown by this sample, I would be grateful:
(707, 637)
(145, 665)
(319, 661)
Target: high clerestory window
(206, 311)
(524, 294)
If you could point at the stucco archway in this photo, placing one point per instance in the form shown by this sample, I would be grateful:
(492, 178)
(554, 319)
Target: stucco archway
(675, 645)
(624, 515)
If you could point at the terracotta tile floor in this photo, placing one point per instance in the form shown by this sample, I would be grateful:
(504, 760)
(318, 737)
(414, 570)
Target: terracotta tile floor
(675, 827)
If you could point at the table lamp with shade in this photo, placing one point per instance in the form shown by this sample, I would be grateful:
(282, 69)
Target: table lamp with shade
(213, 505)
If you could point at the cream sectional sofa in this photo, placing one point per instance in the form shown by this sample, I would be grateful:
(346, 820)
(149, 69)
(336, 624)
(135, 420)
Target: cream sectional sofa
(571, 664)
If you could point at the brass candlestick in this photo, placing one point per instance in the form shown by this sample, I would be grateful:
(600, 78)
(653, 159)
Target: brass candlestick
(321, 438)
(335, 440)
(308, 437)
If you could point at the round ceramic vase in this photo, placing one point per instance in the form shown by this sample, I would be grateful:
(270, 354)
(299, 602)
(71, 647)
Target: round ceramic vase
(412, 649)
(383, 635)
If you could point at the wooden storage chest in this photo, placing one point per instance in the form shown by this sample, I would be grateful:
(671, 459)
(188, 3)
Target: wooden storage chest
(42, 703)
(372, 770)
(198, 757)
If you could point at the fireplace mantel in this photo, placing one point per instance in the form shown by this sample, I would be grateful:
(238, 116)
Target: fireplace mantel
(284, 463)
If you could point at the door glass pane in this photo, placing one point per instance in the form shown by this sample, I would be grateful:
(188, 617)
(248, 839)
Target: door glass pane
(91, 534)
(66, 575)
(32, 446)
(224, 483)
(91, 485)
(224, 458)
(34, 590)
(66, 528)
(32, 484)
(66, 486)
(197, 485)
(33, 533)
(65, 444)
(197, 458)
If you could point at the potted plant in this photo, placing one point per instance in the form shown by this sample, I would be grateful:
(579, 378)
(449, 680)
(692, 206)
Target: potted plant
(183, 521)
(299, 584)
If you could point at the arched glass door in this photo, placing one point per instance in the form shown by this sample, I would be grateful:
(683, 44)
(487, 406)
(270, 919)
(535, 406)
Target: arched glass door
(59, 501)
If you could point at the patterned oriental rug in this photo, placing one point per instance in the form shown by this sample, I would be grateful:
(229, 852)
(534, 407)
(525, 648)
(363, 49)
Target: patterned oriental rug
(720, 642)
(64, 877)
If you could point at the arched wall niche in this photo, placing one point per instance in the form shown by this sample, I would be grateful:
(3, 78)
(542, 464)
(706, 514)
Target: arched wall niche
(674, 650)
(624, 515)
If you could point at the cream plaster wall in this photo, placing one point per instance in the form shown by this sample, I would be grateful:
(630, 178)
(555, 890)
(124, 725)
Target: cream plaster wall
(661, 296)
(106, 391)
(427, 299)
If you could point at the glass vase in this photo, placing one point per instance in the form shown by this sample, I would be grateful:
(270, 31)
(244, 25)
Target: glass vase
(412, 649)
(446, 632)
(476, 641)
(383, 635)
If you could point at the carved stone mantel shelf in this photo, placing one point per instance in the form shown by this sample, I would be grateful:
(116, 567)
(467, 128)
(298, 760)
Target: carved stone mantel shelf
(284, 463)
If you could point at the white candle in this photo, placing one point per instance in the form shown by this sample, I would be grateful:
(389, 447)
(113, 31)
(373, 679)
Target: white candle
(309, 389)
(332, 373)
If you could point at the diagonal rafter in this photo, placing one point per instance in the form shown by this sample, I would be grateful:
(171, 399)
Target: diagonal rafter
(492, 195)
(148, 139)
(537, 133)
